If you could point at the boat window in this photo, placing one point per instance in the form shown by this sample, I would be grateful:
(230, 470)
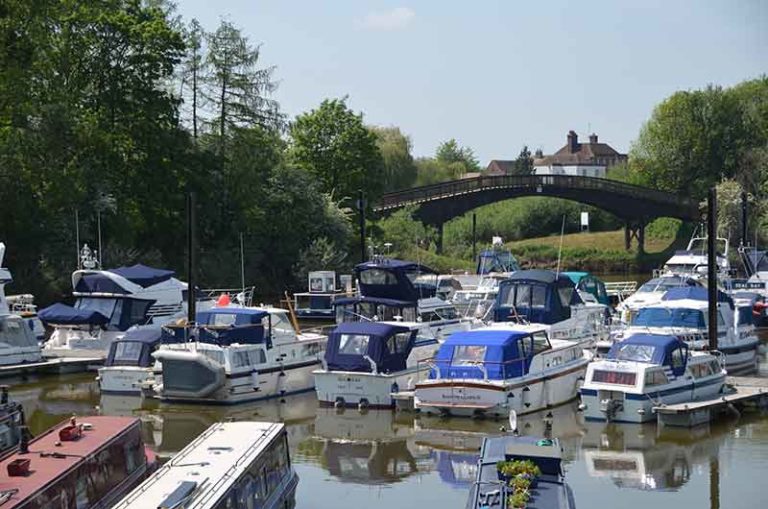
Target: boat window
(280, 323)
(257, 356)
(637, 353)
(240, 359)
(377, 277)
(468, 354)
(128, 351)
(409, 314)
(81, 494)
(104, 306)
(655, 377)
(402, 340)
(613, 377)
(714, 366)
(522, 295)
(222, 319)
(391, 346)
(678, 360)
(701, 370)
(353, 344)
(744, 315)
(540, 342)
(669, 317)
(14, 333)
(315, 284)
(566, 295)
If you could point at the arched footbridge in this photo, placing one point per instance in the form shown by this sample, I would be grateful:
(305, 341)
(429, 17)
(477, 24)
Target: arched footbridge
(635, 205)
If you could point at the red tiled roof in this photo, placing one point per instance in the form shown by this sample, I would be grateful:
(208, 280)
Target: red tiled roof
(46, 470)
(499, 167)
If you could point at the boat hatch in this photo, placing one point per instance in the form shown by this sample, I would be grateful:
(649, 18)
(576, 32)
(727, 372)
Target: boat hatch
(179, 496)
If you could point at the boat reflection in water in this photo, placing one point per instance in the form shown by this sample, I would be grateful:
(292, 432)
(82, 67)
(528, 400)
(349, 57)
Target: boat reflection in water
(647, 457)
(50, 400)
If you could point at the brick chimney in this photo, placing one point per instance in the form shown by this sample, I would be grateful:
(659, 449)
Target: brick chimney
(573, 141)
(592, 138)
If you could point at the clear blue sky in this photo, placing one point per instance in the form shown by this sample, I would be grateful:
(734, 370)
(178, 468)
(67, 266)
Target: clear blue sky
(499, 74)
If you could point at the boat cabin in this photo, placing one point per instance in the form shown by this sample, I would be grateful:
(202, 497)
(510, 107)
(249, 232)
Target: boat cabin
(646, 348)
(134, 349)
(588, 284)
(396, 279)
(686, 308)
(349, 309)
(488, 354)
(495, 260)
(369, 347)
(536, 296)
(116, 314)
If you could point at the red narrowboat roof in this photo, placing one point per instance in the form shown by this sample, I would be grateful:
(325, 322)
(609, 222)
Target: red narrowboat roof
(44, 470)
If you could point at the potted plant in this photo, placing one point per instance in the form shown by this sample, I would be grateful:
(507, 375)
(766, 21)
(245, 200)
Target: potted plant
(518, 500)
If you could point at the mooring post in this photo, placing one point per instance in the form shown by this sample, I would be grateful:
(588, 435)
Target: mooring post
(191, 265)
(474, 236)
(712, 266)
(641, 238)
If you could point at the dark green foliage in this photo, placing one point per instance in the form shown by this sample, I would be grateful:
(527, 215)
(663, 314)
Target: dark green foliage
(524, 162)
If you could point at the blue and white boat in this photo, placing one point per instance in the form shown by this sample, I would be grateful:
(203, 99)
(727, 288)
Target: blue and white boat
(129, 362)
(493, 370)
(551, 490)
(233, 355)
(551, 300)
(365, 362)
(108, 303)
(683, 312)
(651, 292)
(644, 371)
(231, 464)
(18, 343)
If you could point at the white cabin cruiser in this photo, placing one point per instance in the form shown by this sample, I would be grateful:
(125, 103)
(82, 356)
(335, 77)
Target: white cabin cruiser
(546, 298)
(693, 262)
(645, 371)
(479, 301)
(238, 354)
(493, 370)
(108, 303)
(365, 362)
(18, 343)
(683, 313)
(651, 292)
(129, 362)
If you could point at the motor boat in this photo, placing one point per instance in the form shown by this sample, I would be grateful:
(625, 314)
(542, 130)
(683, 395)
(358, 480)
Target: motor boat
(129, 362)
(693, 261)
(18, 343)
(317, 302)
(492, 370)
(651, 292)
(108, 303)
(550, 299)
(235, 354)
(365, 362)
(645, 371)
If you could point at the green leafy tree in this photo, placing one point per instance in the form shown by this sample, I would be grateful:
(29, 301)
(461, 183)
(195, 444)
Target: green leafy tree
(449, 152)
(332, 143)
(399, 168)
(193, 70)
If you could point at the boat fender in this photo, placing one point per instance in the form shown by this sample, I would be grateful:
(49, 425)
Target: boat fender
(339, 403)
(363, 405)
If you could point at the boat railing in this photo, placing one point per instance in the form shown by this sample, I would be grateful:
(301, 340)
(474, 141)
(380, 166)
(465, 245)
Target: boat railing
(620, 289)
(243, 296)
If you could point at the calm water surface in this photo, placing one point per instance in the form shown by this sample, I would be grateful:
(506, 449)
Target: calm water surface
(386, 460)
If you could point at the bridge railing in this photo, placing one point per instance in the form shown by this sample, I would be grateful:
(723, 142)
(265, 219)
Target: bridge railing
(457, 187)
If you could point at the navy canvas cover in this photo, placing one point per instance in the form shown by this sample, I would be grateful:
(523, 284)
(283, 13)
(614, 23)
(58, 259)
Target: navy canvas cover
(551, 310)
(61, 314)
(397, 286)
(96, 282)
(650, 348)
(237, 325)
(381, 348)
(135, 348)
(142, 275)
(695, 293)
(502, 358)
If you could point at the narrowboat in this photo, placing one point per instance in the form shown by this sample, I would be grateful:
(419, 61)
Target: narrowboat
(129, 362)
(493, 370)
(546, 488)
(365, 362)
(85, 462)
(648, 370)
(683, 312)
(550, 299)
(18, 343)
(233, 355)
(107, 304)
(231, 464)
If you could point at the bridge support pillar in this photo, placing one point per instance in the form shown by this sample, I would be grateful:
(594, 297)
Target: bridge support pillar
(635, 230)
(439, 241)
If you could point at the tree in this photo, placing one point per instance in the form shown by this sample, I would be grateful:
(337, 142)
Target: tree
(193, 70)
(450, 152)
(524, 163)
(236, 88)
(399, 167)
(332, 143)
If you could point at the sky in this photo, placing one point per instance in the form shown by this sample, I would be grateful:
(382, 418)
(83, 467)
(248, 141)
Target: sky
(497, 75)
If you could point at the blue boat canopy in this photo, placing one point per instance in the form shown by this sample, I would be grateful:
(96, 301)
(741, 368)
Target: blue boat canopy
(135, 348)
(387, 345)
(654, 349)
(61, 314)
(502, 353)
(224, 326)
(695, 293)
(536, 296)
(96, 282)
(396, 279)
(142, 275)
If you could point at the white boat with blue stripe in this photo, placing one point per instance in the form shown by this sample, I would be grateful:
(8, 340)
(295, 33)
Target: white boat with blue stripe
(648, 370)
(365, 362)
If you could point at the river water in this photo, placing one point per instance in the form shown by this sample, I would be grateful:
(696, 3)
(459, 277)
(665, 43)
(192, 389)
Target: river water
(388, 460)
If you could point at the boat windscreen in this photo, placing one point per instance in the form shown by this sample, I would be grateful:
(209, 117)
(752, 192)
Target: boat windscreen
(634, 352)
(669, 317)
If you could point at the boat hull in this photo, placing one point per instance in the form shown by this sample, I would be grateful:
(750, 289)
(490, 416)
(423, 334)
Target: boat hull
(497, 398)
(355, 389)
(122, 379)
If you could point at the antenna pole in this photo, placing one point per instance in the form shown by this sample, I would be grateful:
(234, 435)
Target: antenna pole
(474, 236)
(361, 210)
(191, 255)
(242, 263)
(98, 227)
(77, 239)
(712, 266)
(560, 251)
